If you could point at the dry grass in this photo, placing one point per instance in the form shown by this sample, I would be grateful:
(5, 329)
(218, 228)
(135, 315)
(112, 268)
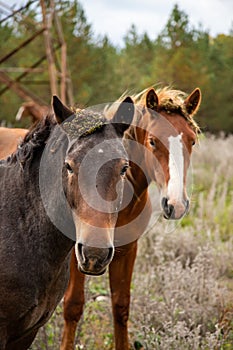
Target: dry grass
(182, 289)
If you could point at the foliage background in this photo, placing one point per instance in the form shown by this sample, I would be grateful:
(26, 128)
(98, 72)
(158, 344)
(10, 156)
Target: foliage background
(183, 281)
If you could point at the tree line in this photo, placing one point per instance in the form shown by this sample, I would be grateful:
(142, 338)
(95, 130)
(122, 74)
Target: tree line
(182, 56)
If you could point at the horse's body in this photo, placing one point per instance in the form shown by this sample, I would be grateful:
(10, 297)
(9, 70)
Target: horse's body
(157, 144)
(10, 137)
(9, 140)
(34, 254)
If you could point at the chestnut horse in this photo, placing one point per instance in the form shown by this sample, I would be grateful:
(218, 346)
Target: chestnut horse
(44, 193)
(159, 145)
(9, 140)
(33, 110)
(10, 137)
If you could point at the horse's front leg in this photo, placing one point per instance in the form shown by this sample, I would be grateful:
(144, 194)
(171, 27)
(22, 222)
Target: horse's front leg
(73, 304)
(120, 274)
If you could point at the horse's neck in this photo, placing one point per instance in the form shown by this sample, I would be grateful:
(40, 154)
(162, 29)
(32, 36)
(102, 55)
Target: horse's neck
(138, 179)
(137, 174)
(135, 215)
(51, 184)
(26, 201)
(54, 245)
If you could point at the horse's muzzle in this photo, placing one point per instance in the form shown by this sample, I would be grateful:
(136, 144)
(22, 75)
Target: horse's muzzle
(93, 260)
(174, 210)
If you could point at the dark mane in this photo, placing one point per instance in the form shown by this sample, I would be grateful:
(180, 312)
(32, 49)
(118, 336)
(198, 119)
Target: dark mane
(81, 124)
(33, 141)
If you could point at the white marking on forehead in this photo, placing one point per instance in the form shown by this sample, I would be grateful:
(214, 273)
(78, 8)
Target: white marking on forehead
(100, 150)
(176, 167)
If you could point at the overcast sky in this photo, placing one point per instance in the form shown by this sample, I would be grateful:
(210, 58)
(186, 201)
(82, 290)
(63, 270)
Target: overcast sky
(115, 17)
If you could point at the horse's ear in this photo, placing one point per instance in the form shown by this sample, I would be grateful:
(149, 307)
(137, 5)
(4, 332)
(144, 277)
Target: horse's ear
(192, 102)
(152, 100)
(123, 116)
(61, 111)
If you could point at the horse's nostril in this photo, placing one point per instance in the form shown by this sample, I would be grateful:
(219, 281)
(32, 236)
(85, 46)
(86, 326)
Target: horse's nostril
(110, 253)
(80, 251)
(87, 253)
(80, 248)
(168, 208)
(164, 202)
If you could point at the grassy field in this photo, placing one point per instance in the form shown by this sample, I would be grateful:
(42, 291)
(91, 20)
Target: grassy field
(182, 289)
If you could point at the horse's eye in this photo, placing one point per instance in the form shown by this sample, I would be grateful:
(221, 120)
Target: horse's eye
(68, 167)
(124, 169)
(152, 143)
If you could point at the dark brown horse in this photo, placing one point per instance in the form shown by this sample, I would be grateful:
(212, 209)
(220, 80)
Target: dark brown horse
(159, 145)
(44, 193)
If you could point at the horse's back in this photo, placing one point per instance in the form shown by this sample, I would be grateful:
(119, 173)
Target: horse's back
(9, 140)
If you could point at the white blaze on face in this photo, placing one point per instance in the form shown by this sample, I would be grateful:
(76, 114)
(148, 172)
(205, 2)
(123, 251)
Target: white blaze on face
(176, 168)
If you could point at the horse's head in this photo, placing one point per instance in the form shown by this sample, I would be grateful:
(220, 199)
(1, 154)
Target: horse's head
(93, 174)
(169, 132)
(32, 109)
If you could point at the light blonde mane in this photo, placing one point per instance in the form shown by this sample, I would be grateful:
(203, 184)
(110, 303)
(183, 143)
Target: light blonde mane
(170, 101)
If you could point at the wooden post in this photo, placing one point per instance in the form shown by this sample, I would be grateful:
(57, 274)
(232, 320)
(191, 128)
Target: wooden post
(63, 57)
(66, 86)
(23, 44)
(66, 91)
(21, 76)
(47, 21)
(18, 89)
